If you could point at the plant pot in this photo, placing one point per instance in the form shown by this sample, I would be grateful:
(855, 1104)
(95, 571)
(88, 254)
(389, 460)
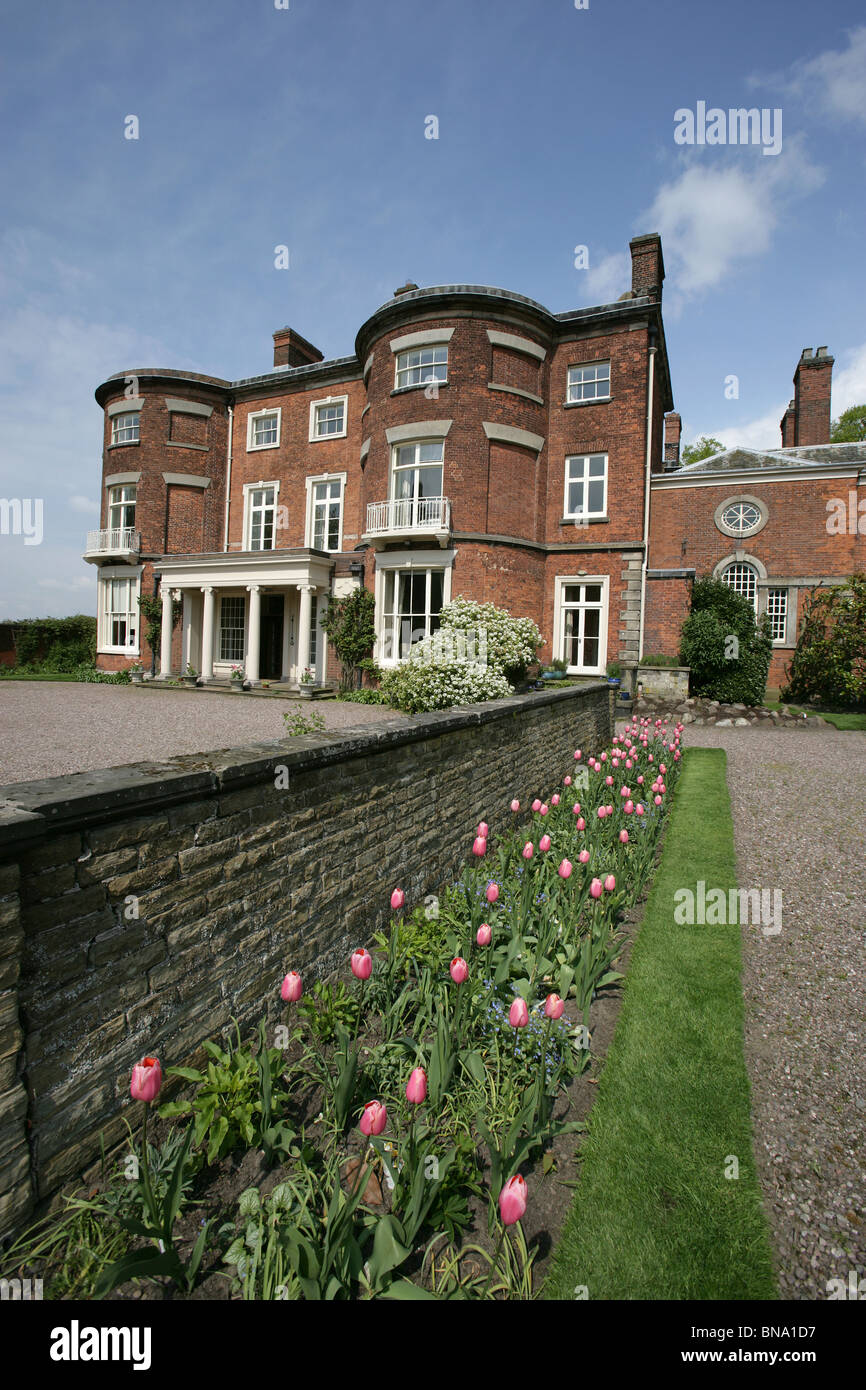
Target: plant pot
(237, 688)
(305, 692)
(613, 680)
(136, 677)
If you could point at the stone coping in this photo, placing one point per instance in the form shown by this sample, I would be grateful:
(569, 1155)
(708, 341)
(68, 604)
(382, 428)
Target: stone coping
(29, 810)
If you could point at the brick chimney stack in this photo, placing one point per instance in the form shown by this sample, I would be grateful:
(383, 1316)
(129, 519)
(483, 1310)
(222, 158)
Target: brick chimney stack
(673, 430)
(811, 404)
(291, 350)
(647, 265)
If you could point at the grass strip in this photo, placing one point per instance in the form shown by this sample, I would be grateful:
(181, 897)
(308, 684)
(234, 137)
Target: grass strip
(654, 1214)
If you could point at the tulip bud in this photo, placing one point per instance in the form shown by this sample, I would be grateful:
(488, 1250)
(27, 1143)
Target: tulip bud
(483, 935)
(512, 1200)
(492, 892)
(483, 829)
(595, 889)
(459, 970)
(528, 850)
(628, 807)
(543, 809)
(536, 805)
(362, 964)
(479, 846)
(566, 781)
(553, 1006)
(554, 800)
(564, 869)
(638, 809)
(146, 1080)
(584, 856)
(623, 837)
(581, 823)
(398, 898)
(578, 755)
(416, 1088)
(544, 844)
(515, 805)
(292, 988)
(374, 1118)
(610, 883)
(518, 1014)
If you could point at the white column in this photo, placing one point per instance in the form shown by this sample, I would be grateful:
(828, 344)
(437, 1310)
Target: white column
(306, 606)
(251, 665)
(186, 628)
(165, 638)
(207, 634)
(286, 653)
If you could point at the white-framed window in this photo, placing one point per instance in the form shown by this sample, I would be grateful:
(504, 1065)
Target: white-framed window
(412, 600)
(121, 507)
(119, 618)
(328, 418)
(741, 518)
(589, 382)
(585, 485)
(263, 429)
(743, 579)
(325, 512)
(231, 627)
(777, 610)
(421, 365)
(261, 515)
(125, 428)
(416, 482)
(580, 622)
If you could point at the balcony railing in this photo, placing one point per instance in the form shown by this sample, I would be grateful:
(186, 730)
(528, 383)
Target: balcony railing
(114, 540)
(408, 515)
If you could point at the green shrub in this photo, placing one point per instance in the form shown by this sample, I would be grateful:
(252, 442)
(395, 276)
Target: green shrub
(659, 661)
(54, 644)
(510, 644)
(425, 683)
(362, 697)
(829, 664)
(727, 651)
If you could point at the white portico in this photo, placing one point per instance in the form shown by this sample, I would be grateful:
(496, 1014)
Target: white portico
(257, 610)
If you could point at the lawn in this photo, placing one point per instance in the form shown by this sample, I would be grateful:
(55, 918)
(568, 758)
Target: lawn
(657, 1212)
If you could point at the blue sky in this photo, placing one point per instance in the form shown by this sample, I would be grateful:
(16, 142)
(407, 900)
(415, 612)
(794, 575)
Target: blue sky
(305, 127)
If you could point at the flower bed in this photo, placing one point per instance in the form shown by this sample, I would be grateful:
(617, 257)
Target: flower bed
(394, 1134)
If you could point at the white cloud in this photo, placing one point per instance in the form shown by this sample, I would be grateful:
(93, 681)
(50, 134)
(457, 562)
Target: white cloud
(713, 216)
(605, 282)
(89, 505)
(849, 384)
(761, 433)
(834, 82)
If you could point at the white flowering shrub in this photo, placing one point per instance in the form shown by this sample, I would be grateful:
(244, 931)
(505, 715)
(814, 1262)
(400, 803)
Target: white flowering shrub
(468, 660)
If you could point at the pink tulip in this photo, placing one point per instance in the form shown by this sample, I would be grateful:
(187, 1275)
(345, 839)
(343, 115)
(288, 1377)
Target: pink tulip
(595, 888)
(624, 791)
(638, 809)
(416, 1088)
(483, 935)
(146, 1080)
(374, 1118)
(528, 850)
(518, 1014)
(658, 801)
(553, 1006)
(581, 823)
(483, 829)
(649, 758)
(543, 809)
(628, 762)
(614, 762)
(662, 769)
(554, 800)
(492, 892)
(362, 964)
(515, 805)
(479, 846)
(609, 883)
(564, 869)
(608, 781)
(536, 805)
(292, 988)
(566, 781)
(604, 757)
(584, 856)
(459, 970)
(578, 755)
(576, 808)
(628, 807)
(544, 844)
(398, 898)
(623, 837)
(512, 1200)
(602, 812)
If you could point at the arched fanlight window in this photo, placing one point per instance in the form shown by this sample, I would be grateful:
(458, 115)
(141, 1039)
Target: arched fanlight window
(743, 579)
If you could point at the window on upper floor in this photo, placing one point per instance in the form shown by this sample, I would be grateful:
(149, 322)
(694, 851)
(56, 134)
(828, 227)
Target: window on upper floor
(741, 518)
(422, 365)
(261, 508)
(328, 418)
(263, 429)
(326, 514)
(585, 485)
(121, 507)
(589, 382)
(125, 428)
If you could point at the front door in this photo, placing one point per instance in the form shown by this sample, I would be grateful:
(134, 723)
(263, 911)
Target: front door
(271, 638)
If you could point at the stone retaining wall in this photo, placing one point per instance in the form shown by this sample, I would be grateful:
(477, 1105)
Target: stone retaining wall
(142, 907)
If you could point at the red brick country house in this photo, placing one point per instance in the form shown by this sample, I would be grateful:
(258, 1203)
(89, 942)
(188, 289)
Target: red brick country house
(773, 524)
(473, 443)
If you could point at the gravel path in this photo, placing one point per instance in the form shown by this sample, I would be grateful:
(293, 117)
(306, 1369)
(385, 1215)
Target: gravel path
(798, 800)
(48, 728)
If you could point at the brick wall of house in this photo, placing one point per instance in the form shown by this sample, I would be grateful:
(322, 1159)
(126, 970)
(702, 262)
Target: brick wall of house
(131, 878)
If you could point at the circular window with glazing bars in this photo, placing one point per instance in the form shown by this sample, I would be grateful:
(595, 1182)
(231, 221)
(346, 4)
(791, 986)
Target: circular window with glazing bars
(741, 516)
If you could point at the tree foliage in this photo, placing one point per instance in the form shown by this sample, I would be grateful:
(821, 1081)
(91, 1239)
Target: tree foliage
(55, 644)
(351, 631)
(829, 664)
(850, 428)
(702, 448)
(727, 650)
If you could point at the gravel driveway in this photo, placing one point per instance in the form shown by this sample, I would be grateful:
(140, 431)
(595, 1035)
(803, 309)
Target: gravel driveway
(798, 800)
(48, 728)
